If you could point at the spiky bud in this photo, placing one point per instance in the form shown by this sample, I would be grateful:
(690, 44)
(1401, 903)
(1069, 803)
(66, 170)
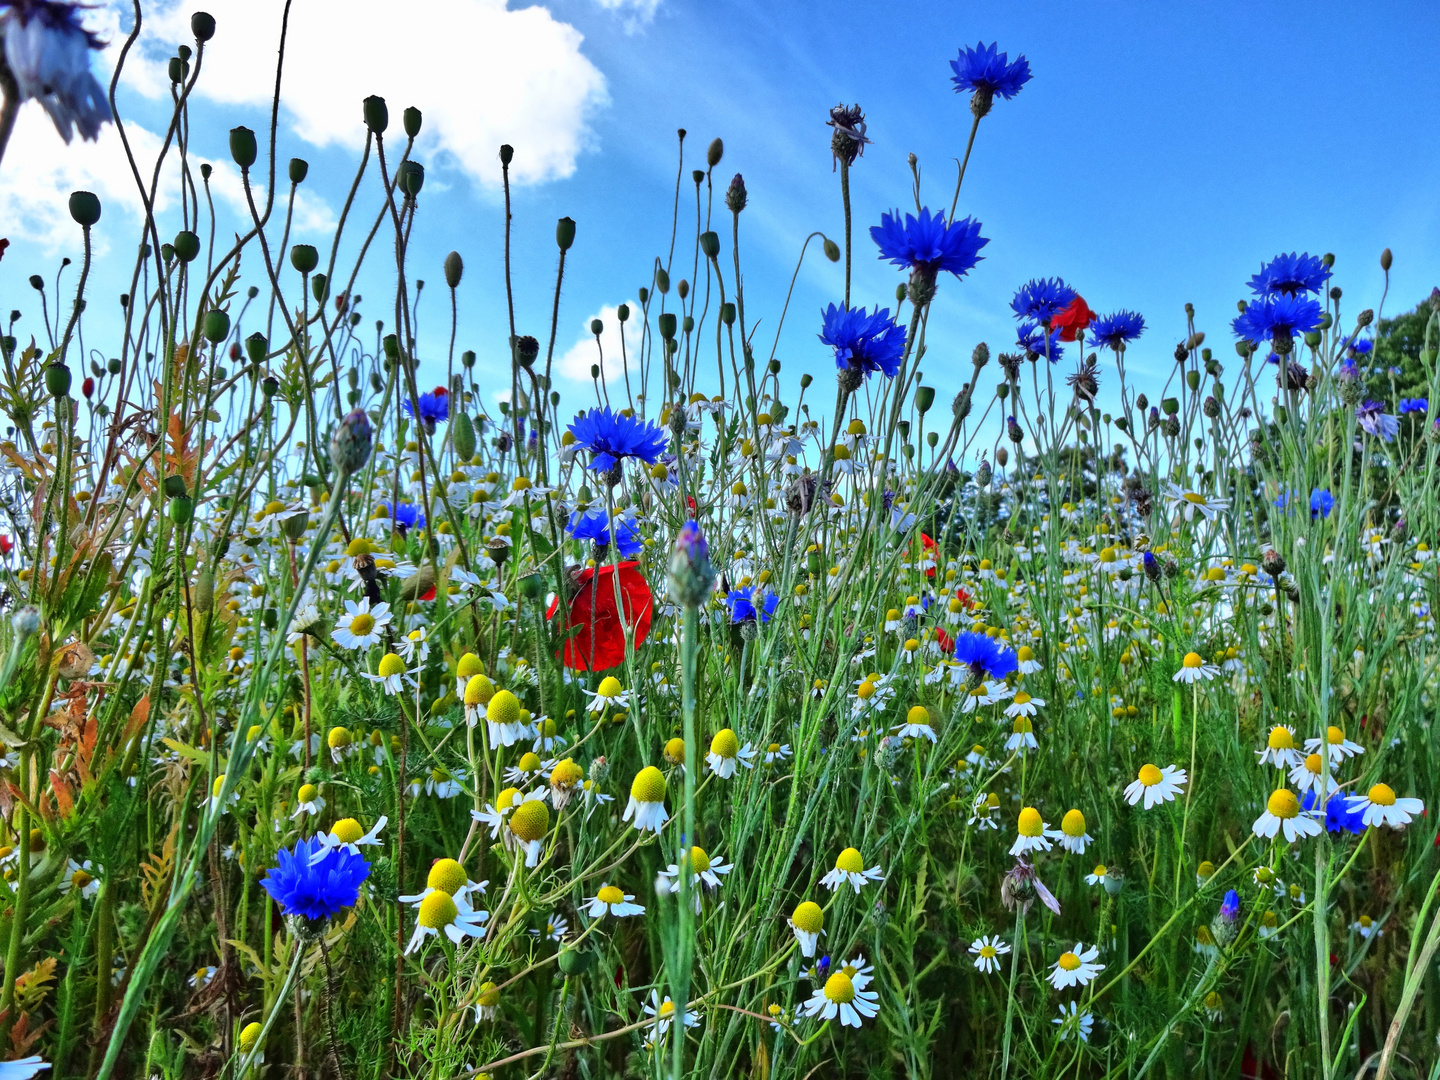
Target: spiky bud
(691, 575)
(736, 196)
(350, 443)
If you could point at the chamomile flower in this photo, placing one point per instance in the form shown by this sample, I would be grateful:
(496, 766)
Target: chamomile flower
(440, 912)
(726, 754)
(527, 827)
(308, 800)
(361, 626)
(1072, 835)
(703, 871)
(808, 923)
(1190, 503)
(1030, 829)
(609, 694)
(495, 814)
(776, 752)
(850, 867)
(1025, 659)
(1307, 775)
(1340, 747)
(391, 674)
(1194, 669)
(987, 806)
(610, 900)
(556, 927)
(1365, 926)
(565, 779)
(647, 800)
(504, 722)
(1156, 785)
(477, 694)
(842, 995)
(1099, 876)
(1280, 748)
(202, 977)
(664, 1014)
(348, 834)
(917, 724)
(80, 877)
(1076, 967)
(987, 952)
(1022, 735)
(1023, 705)
(1381, 807)
(1073, 1023)
(487, 1002)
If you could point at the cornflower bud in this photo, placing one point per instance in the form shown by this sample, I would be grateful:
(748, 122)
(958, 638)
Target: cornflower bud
(350, 443)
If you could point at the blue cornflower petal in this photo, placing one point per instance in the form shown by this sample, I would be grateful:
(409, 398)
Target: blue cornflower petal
(1291, 274)
(404, 515)
(1033, 339)
(982, 68)
(593, 525)
(1117, 330)
(986, 657)
(314, 881)
(1041, 299)
(433, 408)
(612, 437)
(1275, 313)
(868, 341)
(928, 243)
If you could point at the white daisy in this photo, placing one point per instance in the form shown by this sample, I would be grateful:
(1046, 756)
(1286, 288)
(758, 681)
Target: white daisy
(1283, 813)
(611, 901)
(1383, 808)
(361, 627)
(1156, 785)
(850, 867)
(987, 952)
(1076, 967)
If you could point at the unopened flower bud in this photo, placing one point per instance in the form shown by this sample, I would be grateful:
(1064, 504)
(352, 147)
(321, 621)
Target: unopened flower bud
(1272, 562)
(691, 575)
(454, 268)
(984, 473)
(25, 621)
(350, 443)
(981, 355)
(735, 195)
(1365, 318)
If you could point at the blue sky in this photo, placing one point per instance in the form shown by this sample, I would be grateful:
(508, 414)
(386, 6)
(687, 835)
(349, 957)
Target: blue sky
(1158, 156)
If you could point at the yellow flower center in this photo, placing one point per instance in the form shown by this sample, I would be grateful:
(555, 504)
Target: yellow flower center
(529, 761)
(1149, 774)
(347, 830)
(1101, 870)
(307, 793)
(566, 774)
(249, 1035)
(215, 787)
(1025, 654)
(504, 708)
(609, 687)
(1213, 1000)
(1334, 736)
(1022, 725)
(850, 862)
(1281, 739)
(362, 624)
(725, 743)
(1030, 823)
(809, 917)
(506, 798)
(988, 952)
(839, 988)
(1192, 497)
(1069, 961)
(446, 875)
(1314, 764)
(1073, 823)
(699, 861)
(866, 690)
(609, 894)
(469, 666)
(80, 879)
(1382, 795)
(479, 690)
(438, 910)
(675, 751)
(489, 995)
(911, 644)
(390, 664)
(918, 715)
(531, 820)
(338, 738)
(649, 785)
(1206, 869)
(1366, 921)
(1192, 660)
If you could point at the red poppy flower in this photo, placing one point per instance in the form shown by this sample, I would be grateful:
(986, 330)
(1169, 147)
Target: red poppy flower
(944, 640)
(966, 600)
(6, 545)
(599, 638)
(428, 594)
(929, 546)
(1073, 320)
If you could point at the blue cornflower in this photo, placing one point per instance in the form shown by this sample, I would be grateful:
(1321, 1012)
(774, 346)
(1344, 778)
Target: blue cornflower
(1415, 405)
(1338, 815)
(593, 525)
(1230, 906)
(612, 437)
(987, 72)
(315, 881)
(432, 408)
(1321, 503)
(864, 341)
(1277, 315)
(1034, 340)
(1362, 347)
(48, 51)
(1373, 418)
(987, 658)
(404, 516)
(743, 607)
(928, 244)
(1116, 331)
(1291, 274)
(1041, 299)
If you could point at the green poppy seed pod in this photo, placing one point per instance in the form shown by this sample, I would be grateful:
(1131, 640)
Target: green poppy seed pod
(932, 439)
(113, 365)
(376, 383)
(84, 208)
(182, 509)
(697, 175)
(454, 269)
(715, 153)
(216, 326)
(174, 486)
(467, 358)
(1002, 391)
(903, 427)
(924, 398)
(666, 322)
(57, 379)
(832, 250)
(687, 324)
(304, 258)
(350, 442)
(683, 288)
(243, 148)
(377, 114)
(319, 287)
(202, 25)
(594, 371)
(256, 346)
(727, 313)
(205, 591)
(299, 169)
(412, 120)
(596, 327)
(1326, 320)
(1170, 406)
(1328, 258)
(176, 69)
(710, 244)
(662, 281)
(1242, 347)
(565, 233)
(806, 380)
(294, 526)
(901, 291)
(410, 177)
(391, 344)
(1192, 379)
(622, 313)
(531, 587)
(507, 154)
(462, 435)
(1386, 260)
(270, 385)
(576, 962)
(187, 246)
(37, 283)
(774, 368)
(1312, 338)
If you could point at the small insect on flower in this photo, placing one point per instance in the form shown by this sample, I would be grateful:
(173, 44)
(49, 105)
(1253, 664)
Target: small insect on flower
(1075, 968)
(808, 923)
(611, 901)
(1156, 785)
(1073, 1023)
(850, 867)
(1194, 669)
(917, 724)
(987, 952)
(726, 754)
(1031, 833)
(1379, 806)
(844, 994)
(647, 800)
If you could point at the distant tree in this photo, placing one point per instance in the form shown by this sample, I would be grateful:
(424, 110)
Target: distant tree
(1396, 369)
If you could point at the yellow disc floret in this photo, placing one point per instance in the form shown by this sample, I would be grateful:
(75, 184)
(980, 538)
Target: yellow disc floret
(809, 917)
(531, 820)
(648, 786)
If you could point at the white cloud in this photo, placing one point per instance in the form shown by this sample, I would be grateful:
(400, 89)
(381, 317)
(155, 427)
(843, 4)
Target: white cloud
(481, 73)
(637, 13)
(575, 363)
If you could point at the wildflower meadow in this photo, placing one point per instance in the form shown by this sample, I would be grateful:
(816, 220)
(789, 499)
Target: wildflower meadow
(368, 711)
